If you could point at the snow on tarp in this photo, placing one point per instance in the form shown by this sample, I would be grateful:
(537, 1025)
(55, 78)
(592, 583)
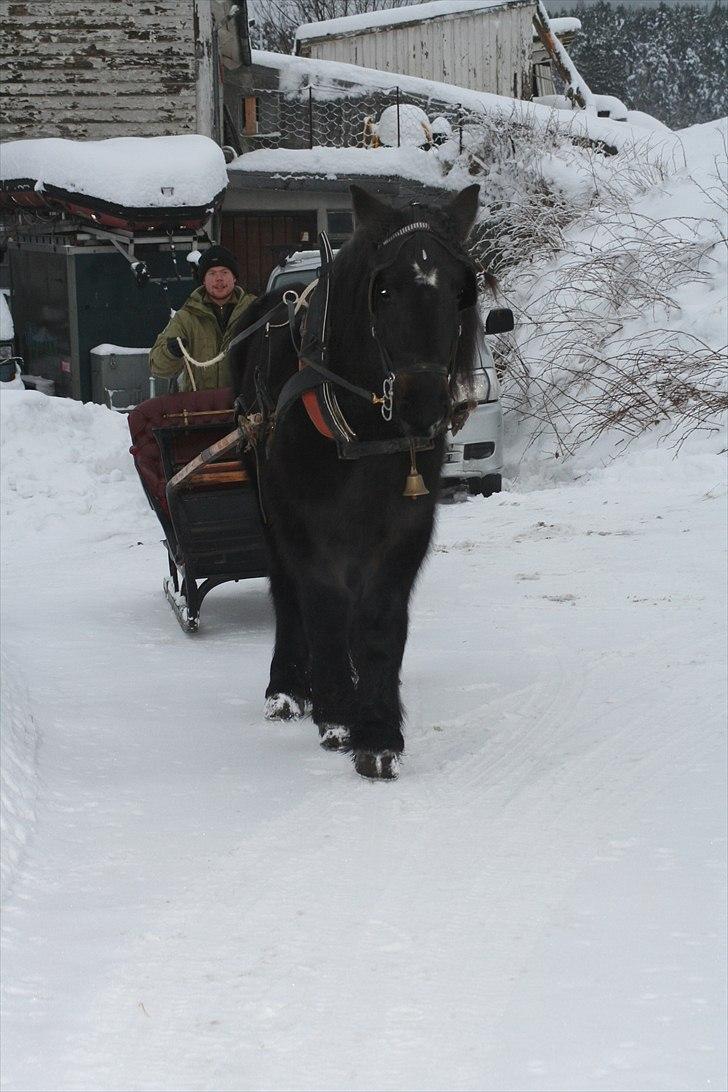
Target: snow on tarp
(136, 172)
(375, 20)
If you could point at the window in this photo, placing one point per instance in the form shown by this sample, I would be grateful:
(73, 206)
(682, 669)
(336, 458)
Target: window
(339, 225)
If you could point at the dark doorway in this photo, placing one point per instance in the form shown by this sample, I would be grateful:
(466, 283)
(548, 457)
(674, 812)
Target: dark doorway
(260, 240)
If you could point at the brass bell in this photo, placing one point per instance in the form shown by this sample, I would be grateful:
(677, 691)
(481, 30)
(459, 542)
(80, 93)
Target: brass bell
(414, 486)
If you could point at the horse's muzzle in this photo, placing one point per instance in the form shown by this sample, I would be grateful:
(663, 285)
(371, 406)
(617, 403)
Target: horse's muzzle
(421, 399)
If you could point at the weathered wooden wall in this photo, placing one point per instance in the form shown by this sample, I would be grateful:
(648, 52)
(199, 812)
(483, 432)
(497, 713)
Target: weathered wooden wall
(99, 68)
(487, 51)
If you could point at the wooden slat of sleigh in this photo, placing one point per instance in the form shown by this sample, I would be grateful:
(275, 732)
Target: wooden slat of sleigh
(214, 474)
(207, 470)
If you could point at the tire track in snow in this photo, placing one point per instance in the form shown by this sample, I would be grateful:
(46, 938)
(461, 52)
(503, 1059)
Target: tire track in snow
(18, 770)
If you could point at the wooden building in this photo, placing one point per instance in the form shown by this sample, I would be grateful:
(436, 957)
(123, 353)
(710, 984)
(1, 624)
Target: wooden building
(481, 44)
(90, 69)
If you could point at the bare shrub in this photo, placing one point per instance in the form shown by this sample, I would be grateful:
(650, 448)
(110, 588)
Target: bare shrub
(593, 285)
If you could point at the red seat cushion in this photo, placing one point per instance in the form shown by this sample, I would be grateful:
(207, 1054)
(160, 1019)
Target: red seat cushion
(159, 413)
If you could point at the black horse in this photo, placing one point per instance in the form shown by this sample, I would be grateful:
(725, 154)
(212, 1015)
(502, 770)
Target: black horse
(389, 335)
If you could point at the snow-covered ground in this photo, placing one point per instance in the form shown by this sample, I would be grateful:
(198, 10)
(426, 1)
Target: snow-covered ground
(195, 899)
(198, 899)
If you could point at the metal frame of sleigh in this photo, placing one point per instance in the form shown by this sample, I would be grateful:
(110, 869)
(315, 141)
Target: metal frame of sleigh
(185, 452)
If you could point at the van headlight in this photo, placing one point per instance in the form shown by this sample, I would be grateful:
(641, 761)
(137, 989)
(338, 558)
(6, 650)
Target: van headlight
(484, 387)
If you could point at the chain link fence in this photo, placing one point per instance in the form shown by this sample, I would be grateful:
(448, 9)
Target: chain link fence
(333, 117)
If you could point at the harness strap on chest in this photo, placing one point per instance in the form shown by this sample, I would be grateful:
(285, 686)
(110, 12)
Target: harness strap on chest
(311, 384)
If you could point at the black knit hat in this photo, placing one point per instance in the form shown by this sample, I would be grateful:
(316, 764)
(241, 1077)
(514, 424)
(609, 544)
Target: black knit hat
(217, 255)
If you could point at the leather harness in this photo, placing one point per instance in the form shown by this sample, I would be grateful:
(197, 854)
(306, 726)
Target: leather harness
(315, 384)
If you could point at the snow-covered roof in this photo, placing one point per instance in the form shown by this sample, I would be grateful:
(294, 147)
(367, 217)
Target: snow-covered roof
(335, 78)
(332, 163)
(416, 13)
(156, 172)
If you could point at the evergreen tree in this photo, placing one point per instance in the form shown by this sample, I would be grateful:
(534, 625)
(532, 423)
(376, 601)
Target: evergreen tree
(669, 60)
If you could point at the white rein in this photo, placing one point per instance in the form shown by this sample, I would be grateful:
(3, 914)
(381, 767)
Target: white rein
(301, 301)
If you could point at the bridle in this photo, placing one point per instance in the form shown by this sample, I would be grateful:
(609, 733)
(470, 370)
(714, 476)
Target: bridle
(389, 251)
(316, 384)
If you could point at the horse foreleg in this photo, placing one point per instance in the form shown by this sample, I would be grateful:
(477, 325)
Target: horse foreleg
(379, 633)
(288, 693)
(326, 612)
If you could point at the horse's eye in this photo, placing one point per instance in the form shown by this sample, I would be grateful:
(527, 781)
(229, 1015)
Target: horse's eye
(383, 294)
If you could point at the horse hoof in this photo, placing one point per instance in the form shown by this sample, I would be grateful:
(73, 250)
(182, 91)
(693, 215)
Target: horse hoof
(377, 765)
(334, 737)
(284, 707)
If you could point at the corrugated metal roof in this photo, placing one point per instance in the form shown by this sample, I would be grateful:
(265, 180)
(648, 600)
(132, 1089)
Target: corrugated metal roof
(390, 17)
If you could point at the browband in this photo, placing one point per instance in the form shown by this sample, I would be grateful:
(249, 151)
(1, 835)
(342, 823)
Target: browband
(419, 225)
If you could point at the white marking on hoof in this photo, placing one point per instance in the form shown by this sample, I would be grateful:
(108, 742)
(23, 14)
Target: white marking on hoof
(283, 707)
(377, 765)
(333, 736)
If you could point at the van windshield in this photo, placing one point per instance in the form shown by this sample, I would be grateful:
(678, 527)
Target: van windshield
(294, 276)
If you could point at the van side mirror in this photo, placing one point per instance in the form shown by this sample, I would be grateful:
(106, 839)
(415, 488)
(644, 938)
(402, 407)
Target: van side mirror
(499, 321)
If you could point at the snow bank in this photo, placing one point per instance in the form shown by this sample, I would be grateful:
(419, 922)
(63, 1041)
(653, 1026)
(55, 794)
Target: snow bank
(62, 461)
(138, 172)
(621, 322)
(18, 769)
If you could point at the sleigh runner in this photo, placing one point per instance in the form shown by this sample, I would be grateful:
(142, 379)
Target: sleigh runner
(185, 449)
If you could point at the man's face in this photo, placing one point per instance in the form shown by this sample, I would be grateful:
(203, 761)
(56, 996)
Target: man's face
(219, 283)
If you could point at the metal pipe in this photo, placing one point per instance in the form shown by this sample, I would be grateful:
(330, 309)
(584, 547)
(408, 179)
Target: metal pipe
(310, 116)
(396, 91)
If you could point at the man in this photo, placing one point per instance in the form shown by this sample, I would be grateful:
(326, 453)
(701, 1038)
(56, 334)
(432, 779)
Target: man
(205, 324)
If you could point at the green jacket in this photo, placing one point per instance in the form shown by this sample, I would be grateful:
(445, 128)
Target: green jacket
(197, 323)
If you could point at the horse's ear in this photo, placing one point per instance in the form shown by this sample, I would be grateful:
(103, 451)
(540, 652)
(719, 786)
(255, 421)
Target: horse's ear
(463, 209)
(369, 211)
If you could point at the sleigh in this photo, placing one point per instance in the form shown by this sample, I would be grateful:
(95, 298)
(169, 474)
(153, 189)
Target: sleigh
(185, 450)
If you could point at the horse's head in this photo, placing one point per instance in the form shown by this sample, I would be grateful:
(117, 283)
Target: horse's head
(421, 288)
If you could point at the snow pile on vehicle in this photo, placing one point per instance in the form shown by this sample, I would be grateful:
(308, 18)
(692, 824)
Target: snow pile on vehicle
(62, 461)
(18, 771)
(136, 172)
